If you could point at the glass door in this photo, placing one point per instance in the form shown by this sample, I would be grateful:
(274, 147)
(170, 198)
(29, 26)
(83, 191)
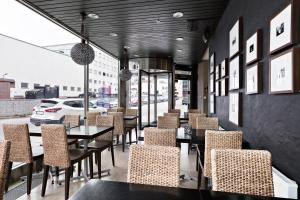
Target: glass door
(182, 95)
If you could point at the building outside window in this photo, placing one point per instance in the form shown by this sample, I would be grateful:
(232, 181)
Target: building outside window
(72, 89)
(24, 85)
(65, 88)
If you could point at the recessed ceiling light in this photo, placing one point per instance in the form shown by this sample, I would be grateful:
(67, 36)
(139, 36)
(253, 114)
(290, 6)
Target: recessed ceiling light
(113, 34)
(179, 50)
(93, 16)
(127, 47)
(177, 14)
(179, 38)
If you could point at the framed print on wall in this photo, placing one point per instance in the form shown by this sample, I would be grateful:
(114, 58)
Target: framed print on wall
(211, 103)
(217, 72)
(234, 73)
(284, 72)
(212, 63)
(224, 87)
(235, 36)
(283, 31)
(224, 68)
(217, 88)
(253, 48)
(235, 108)
(211, 83)
(253, 79)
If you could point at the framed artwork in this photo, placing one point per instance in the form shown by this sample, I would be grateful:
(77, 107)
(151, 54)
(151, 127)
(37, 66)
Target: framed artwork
(283, 31)
(211, 103)
(217, 88)
(224, 68)
(212, 63)
(235, 108)
(211, 83)
(217, 72)
(284, 72)
(224, 87)
(234, 73)
(235, 36)
(253, 48)
(253, 79)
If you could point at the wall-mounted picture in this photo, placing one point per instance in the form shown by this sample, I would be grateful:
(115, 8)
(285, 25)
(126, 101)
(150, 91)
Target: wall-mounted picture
(224, 68)
(211, 83)
(282, 31)
(253, 79)
(217, 72)
(235, 38)
(284, 72)
(211, 103)
(212, 63)
(224, 87)
(234, 73)
(253, 48)
(217, 88)
(235, 108)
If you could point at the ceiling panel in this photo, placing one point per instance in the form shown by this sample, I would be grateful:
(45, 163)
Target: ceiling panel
(135, 22)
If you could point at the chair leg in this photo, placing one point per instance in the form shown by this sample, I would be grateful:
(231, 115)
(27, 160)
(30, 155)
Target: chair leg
(136, 135)
(130, 132)
(197, 161)
(123, 141)
(112, 155)
(117, 139)
(8, 176)
(67, 182)
(91, 166)
(98, 154)
(29, 177)
(45, 177)
(57, 172)
(79, 168)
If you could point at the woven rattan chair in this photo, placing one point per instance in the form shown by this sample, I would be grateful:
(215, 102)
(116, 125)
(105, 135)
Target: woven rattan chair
(168, 122)
(242, 171)
(193, 117)
(194, 111)
(154, 165)
(174, 114)
(4, 159)
(117, 109)
(91, 118)
(219, 140)
(21, 150)
(57, 154)
(207, 123)
(73, 120)
(160, 137)
(119, 127)
(103, 142)
(174, 111)
(131, 124)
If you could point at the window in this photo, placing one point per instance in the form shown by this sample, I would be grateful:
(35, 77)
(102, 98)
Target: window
(95, 90)
(72, 89)
(104, 74)
(35, 85)
(65, 88)
(24, 85)
(79, 89)
(90, 80)
(95, 81)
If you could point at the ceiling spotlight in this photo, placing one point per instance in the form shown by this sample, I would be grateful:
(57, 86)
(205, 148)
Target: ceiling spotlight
(178, 15)
(179, 38)
(93, 16)
(113, 34)
(179, 50)
(126, 47)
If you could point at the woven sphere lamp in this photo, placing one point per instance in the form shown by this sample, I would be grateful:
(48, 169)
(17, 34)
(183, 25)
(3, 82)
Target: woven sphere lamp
(82, 54)
(125, 75)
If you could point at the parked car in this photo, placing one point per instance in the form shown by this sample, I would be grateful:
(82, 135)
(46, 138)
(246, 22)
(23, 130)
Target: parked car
(91, 95)
(52, 111)
(107, 102)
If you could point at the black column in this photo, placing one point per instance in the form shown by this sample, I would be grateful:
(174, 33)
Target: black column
(194, 87)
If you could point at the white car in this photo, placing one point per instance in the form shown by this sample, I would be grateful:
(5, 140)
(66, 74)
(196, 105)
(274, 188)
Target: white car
(52, 111)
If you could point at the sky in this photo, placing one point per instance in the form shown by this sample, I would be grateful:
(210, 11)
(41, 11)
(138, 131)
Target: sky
(20, 22)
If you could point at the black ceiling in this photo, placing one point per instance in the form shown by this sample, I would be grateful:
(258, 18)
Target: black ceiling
(135, 22)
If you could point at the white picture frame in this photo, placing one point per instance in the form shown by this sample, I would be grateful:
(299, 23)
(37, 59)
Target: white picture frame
(217, 88)
(211, 83)
(252, 79)
(212, 104)
(234, 73)
(253, 48)
(234, 108)
(235, 38)
(212, 63)
(217, 72)
(224, 68)
(224, 87)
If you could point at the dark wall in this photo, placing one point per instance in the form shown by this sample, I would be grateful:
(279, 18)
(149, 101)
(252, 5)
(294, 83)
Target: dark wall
(270, 122)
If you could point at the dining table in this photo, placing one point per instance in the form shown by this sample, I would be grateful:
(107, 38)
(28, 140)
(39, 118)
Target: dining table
(110, 190)
(83, 132)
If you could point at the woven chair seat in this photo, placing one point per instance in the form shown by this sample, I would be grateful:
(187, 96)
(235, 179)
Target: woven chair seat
(37, 152)
(99, 145)
(77, 155)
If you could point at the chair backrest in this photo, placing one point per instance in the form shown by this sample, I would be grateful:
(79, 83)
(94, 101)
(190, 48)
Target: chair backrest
(55, 145)
(154, 165)
(118, 122)
(242, 171)
(193, 117)
(74, 120)
(172, 115)
(174, 111)
(121, 109)
(208, 123)
(160, 137)
(18, 135)
(131, 112)
(107, 120)
(219, 140)
(167, 122)
(91, 118)
(194, 111)
(4, 156)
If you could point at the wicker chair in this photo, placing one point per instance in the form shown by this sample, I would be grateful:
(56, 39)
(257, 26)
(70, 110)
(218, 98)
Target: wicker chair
(103, 142)
(173, 115)
(174, 111)
(154, 165)
(57, 154)
(208, 123)
(91, 118)
(119, 127)
(194, 111)
(21, 150)
(73, 120)
(242, 171)
(118, 109)
(193, 117)
(160, 137)
(168, 122)
(131, 124)
(219, 140)
(4, 159)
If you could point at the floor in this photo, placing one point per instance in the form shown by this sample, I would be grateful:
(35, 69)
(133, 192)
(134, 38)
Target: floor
(118, 173)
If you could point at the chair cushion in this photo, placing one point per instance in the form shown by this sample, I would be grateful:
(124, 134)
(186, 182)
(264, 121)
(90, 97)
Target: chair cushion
(78, 154)
(99, 145)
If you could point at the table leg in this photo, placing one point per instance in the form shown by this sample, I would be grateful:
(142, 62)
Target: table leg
(85, 170)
